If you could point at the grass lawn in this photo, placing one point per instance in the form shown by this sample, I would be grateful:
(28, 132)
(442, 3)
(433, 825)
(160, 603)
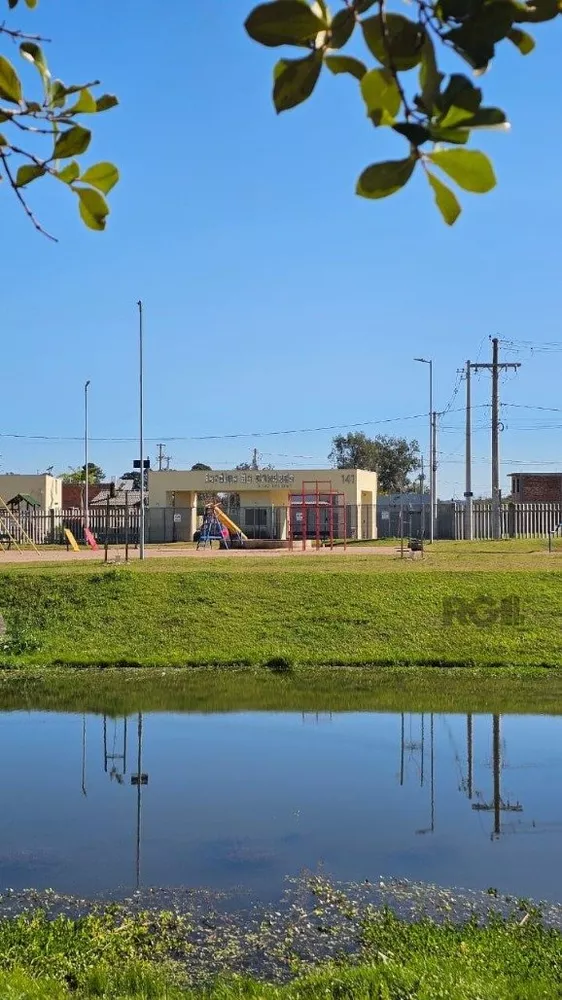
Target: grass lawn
(312, 610)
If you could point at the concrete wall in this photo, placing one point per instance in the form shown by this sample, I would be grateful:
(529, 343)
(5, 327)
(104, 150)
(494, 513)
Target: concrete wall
(46, 489)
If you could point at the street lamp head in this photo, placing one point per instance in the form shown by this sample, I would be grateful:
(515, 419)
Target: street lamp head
(424, 361)
(87, 384)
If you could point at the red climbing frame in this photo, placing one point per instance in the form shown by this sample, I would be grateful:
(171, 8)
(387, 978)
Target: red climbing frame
(319, 496)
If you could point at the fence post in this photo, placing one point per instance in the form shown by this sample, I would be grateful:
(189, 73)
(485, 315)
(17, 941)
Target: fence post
(106, 547)
(511, 519)
(52, 523)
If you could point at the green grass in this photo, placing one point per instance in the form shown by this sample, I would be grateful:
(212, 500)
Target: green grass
(505, 960)
(333, 610)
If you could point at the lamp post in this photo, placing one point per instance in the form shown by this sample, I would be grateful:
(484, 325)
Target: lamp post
(86, 470)
(429, 361)
(141, 433)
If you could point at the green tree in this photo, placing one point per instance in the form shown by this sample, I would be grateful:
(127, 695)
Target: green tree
(201, 467)
(41, 130)
(393, 459)
(435, 113)
(95, 475)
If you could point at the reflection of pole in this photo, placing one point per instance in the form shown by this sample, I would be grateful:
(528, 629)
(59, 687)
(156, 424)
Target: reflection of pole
(139, 784)
(402, 748)
(432, 772)
(105, 743)
(469, 743)
(84, 754)
(422, 747)
(497, 767)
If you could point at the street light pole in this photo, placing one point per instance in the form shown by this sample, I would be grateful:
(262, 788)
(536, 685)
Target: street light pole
(432, 462)
(86, 470)
(141, 433)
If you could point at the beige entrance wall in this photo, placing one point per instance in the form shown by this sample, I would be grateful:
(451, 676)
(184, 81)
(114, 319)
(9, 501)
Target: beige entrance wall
(267, 488)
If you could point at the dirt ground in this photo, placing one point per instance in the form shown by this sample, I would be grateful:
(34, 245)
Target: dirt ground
(117, 553)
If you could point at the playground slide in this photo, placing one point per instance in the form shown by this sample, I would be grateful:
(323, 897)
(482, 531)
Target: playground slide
(224, 519)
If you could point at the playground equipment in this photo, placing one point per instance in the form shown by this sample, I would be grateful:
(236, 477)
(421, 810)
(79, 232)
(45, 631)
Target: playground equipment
(217, 526)
(12, 531)
(556, 531)
(318, 513)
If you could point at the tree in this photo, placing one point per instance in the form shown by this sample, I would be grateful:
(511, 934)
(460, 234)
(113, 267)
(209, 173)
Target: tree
(201, 467)
(42, 135)
(393, 459)
(76, 476)
(436, 116)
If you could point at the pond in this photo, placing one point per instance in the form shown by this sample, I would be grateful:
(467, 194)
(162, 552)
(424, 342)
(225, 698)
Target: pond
(93, 805)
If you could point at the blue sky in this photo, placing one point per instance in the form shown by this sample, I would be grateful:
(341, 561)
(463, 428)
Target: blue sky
(274, 298)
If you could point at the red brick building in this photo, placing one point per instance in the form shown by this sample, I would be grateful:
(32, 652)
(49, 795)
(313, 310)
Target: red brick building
(536, 487)
(73, 494)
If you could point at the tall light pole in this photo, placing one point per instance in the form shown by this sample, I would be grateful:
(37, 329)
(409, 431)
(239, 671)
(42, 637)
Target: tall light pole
(86, 480)
(141, 434)
(429, 361)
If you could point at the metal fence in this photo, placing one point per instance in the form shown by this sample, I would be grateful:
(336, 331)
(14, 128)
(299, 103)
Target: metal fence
(172, 524)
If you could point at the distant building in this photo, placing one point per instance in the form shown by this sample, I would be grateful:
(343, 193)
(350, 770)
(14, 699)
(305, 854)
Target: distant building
(536, 487)
(73, 494)
(45, 490)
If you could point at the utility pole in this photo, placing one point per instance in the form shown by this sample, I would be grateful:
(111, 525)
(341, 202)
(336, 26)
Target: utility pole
(434, 416)
(495, 367)
(468, 530)
(162, 458)
(141, 432)
(86, 460)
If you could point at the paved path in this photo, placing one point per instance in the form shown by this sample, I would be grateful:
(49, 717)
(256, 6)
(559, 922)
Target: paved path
(117, 554)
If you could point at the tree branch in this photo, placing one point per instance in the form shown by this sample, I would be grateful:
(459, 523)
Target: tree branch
(21, 199)
(22, 36)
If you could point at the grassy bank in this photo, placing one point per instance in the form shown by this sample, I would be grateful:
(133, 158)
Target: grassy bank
(147, 957)
(218, 613)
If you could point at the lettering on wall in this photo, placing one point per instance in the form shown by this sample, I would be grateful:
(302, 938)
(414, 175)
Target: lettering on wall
(249, 479)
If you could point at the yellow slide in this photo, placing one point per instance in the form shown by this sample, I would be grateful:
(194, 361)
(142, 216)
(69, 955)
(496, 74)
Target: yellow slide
(224, 519)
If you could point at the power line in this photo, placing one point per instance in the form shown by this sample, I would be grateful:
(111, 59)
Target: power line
(226, 437)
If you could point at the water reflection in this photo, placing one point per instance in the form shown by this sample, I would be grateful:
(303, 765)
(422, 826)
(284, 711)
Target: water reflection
(245, 798)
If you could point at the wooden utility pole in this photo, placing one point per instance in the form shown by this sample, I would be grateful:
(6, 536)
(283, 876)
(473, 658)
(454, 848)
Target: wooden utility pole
(495, 367)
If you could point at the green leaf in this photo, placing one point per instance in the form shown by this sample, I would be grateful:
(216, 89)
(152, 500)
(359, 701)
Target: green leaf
(57, 94)
(31, 3)
(416, 134)
(459, 136)
(346, 64)
(106, 102)
(524, 42)
(284, 22)
(341, 28)
(400, 43)
(363, 5)
(382, 179)
(469, 168)
(27, 173)
(430, 77)
(381, 95)
(461, 93)
(10, 85)
(93, 208)
(70, 173)
(486, 118)
(103, 176)
(536, 11)
(34, 54)
(73, 142)
(445, 199)
(295, 80)
(86, 104)
(3, 140)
